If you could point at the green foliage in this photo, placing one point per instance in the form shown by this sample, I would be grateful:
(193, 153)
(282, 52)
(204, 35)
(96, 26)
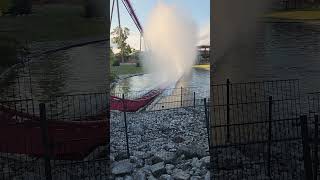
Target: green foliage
(116, 63)
(20, 7)
(120, 36)
(4, 6)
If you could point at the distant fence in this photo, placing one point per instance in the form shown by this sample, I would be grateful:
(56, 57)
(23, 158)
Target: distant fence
(170, 98)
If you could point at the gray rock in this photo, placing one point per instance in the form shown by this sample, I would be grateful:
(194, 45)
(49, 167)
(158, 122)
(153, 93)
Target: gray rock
(122, 167)
(179, 174)
(151, 177)
(207, 176)
(166, 177)
(191, 151)
(205, 160)
(195, 178)
(128, 178)
(142, 155)
(120, 156)
(158, 169)
(169, 167)
(196, 163)
(140, 175)
(165, 156)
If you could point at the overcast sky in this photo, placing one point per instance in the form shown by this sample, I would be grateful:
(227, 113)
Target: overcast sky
(199, 11)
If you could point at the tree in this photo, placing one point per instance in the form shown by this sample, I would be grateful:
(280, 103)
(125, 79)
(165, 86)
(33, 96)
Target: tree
(4, 6)
(20, 7)
(119, 38)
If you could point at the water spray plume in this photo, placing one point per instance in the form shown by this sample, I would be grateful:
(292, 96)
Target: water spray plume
(171, 36)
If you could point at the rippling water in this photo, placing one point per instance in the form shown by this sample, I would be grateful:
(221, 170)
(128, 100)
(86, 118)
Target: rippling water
(282, 51)
(73, 71)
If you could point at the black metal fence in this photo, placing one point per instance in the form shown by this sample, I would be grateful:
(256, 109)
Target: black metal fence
(169, 98)
(63, 138)
(255, 130)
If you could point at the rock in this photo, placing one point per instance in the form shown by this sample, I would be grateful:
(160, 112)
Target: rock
(128, 178)
(139, 162)
(158, 169)
(165, 156)
(207, 176)
(140, 175)
(120, 156)
(195, 178)
(191, 151)
(178, 139)
(166, 177)
(122, 167)
(142, 155)
(196, 163)
(155, 160)
(169, 168)
(151, 178)
(179, 174)
(206, 160)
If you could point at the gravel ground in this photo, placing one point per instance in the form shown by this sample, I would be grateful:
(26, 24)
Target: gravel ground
(168, 144)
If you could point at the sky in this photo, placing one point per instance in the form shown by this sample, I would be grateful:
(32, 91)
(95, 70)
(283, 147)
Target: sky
(199, 12)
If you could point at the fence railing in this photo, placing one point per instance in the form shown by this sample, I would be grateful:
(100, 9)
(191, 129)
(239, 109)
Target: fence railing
(255, 130)
(64, 138)
(169, 98)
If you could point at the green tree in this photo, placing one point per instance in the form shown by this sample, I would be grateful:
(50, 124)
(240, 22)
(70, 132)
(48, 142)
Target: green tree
(120, 37)
(4, 6)
(20, 7)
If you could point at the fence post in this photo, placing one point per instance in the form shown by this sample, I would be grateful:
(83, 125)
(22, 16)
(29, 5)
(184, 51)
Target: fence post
(269, 135)
(125, 124)
(306, 148)
(316, 158)
(45, 141)
(228, 110)
(207, 120)
(194, 99)
(181, 95)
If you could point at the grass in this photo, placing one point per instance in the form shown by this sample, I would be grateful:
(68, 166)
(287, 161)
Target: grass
(126, 69)
(203, 66)
(306, 14)
(50, 23)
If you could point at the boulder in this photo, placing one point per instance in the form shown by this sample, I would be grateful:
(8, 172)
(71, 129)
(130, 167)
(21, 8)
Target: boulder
(158, 169)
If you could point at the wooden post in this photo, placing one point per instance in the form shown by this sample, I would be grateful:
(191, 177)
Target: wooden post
(45, 141)
(125, 124)
(306, 148)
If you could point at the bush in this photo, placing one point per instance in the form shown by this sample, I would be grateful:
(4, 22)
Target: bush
(4, 6)
(116, 63)
(20, 7)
